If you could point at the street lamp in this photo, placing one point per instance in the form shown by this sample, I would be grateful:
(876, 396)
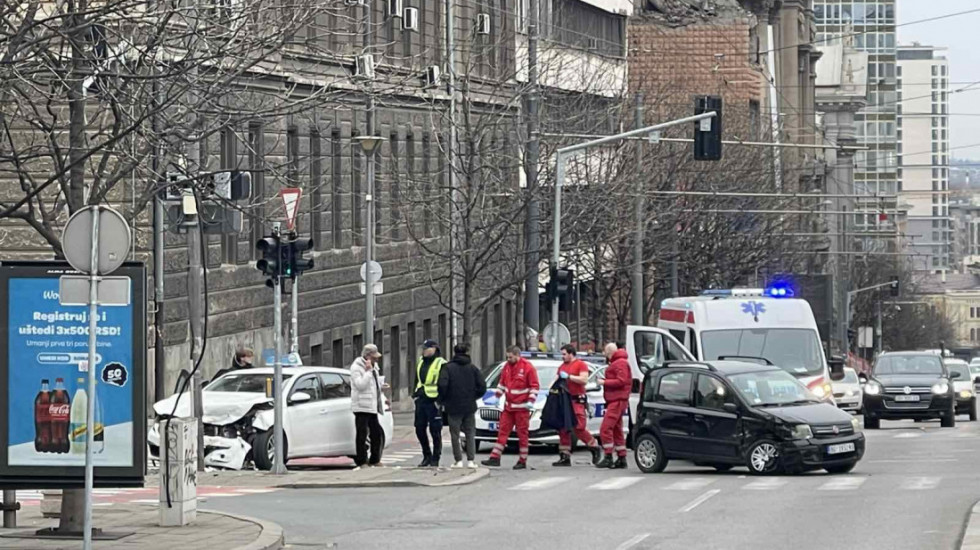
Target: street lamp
(369, 144)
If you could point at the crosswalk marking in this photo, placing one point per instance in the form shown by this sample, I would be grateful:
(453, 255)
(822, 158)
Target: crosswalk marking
(690, 484)
(542, 483)
(615, 483)
(699, 501)
(766, 484)
(908, 435)
(920, 483)
(843, 484)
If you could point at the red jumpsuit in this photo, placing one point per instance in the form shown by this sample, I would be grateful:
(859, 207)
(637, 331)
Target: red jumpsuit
(619, 381)
(519, 383)
(579, 402)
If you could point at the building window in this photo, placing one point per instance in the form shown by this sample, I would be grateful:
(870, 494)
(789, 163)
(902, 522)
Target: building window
(316, 182)
(256, 163)
(336, 177)
(229, 161)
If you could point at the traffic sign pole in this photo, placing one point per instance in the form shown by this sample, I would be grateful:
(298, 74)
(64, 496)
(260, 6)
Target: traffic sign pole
(93, 313)
(278, 465)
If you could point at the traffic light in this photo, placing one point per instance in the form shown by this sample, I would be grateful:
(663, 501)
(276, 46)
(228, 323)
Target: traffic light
(895, 290)
(560, 285)
(707, 132)
(270, 248)
(299, 263)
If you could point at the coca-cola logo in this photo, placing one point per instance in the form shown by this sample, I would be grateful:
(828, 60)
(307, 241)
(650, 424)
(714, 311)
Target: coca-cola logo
(59, 410)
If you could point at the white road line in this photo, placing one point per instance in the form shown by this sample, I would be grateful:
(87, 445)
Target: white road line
(843, 484)
(543, 483)
(699, 501)
(257, 491)
(907, 435)
(920, 483)
(913, 460)
(633, 542)
(690, 484)
(615, 483)
(209, 495)
(144, 501)
(768, 484)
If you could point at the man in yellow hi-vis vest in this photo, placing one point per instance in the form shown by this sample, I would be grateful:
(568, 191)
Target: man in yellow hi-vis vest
(428, 417)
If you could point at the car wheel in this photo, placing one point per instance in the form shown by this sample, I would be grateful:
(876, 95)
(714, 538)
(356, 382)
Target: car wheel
(871, 423)
(265, 440)
(973, 410)
(649, 454)
(948, 421)
(763, 458)
(841, 468)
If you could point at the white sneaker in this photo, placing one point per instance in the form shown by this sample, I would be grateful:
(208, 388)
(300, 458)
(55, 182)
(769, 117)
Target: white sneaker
(457, 464)
(471, 464)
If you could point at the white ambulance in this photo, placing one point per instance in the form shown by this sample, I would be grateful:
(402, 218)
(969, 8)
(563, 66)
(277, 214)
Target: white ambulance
(752, 324)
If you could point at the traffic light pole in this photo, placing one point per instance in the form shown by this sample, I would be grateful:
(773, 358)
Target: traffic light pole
(847, 310)
(563, 155)
(294, 322)
(278, 465)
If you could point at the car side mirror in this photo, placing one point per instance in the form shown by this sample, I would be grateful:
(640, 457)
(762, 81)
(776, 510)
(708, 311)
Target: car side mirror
(953, 375)
(863, 378)
(300, 397)
(836, 365)
(730, 407)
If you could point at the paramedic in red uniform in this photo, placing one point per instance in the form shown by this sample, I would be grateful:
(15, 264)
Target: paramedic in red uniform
(616, 386)
(576, 373)
(519, 385)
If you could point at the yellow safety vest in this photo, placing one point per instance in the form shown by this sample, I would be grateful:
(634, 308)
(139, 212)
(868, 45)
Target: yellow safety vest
(431, 383)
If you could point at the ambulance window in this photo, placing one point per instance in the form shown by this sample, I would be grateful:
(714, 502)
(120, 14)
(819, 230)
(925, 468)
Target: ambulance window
(692, 344)
(675, 352)
(679, 334)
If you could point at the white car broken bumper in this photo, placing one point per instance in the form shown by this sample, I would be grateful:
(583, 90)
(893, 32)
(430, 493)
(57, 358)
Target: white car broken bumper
(221, 452)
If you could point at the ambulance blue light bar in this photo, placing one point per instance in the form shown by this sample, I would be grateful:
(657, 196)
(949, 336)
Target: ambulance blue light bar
(733, 292)
(780, 290)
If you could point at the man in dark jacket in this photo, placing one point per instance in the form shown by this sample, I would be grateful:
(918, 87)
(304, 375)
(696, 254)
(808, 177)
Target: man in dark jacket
(241, 360)
(428, 417)
(460, 384)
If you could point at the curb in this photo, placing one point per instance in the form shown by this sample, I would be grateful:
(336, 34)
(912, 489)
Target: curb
(477, 475)
(271, 536)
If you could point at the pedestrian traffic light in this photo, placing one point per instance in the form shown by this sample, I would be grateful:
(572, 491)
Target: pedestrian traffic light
(707, 131)
(299, 262)
(895, 289)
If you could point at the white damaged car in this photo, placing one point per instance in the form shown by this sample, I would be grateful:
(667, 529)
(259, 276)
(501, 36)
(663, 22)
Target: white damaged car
(238, 417)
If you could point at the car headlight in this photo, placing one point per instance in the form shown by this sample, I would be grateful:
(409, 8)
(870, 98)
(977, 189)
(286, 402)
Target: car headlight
(872, 388)
(823, 390)
(966, 394)
(856, 424)
(801, 431)
(940, 388)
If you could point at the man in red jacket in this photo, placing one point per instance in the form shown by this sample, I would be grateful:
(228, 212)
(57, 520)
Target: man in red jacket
(576, 373)
(616, 386)
(519, 384)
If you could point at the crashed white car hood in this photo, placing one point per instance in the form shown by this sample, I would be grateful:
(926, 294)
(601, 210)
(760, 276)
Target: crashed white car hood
(220, 408)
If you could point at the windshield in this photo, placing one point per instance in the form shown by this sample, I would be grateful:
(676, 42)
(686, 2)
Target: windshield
(961, 368)
(774, 387)
(909, 364)
(245, 383)
(796, 351)
(850, 377)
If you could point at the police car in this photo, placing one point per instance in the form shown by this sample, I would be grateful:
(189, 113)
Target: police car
(547, 365)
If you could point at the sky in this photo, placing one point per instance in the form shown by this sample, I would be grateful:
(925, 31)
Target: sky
(959, 34)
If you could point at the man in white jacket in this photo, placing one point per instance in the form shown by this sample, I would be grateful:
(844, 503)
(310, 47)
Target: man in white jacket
(367, 403)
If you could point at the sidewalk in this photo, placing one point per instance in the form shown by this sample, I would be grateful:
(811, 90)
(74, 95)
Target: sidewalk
(971, 537)
(211, 531)
(341, 477)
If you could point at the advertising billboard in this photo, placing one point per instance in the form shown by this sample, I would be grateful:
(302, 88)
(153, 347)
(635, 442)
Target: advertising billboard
(44, 346)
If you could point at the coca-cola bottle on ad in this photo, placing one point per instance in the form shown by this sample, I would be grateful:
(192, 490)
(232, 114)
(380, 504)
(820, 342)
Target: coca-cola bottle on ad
(42, 420)
(59, 414)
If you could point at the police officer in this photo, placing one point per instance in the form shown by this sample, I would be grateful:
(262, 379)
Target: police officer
(428, 417)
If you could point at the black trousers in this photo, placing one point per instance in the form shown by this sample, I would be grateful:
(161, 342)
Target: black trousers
(366, 424)
(428, 419)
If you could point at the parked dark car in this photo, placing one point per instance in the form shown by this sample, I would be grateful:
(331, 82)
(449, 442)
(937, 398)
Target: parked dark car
(731, 413)
(909, 385)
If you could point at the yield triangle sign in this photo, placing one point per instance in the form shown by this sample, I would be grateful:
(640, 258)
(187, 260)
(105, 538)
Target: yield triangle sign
(290, 202)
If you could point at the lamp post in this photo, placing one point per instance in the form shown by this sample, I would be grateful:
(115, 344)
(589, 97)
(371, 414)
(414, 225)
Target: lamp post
(369, 144)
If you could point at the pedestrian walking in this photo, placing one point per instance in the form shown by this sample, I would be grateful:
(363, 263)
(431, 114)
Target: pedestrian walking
(460, 384)
(428, 417)
(519, 385)
(367, 402)
(241, 360)
(616, 391)
(575, 373)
